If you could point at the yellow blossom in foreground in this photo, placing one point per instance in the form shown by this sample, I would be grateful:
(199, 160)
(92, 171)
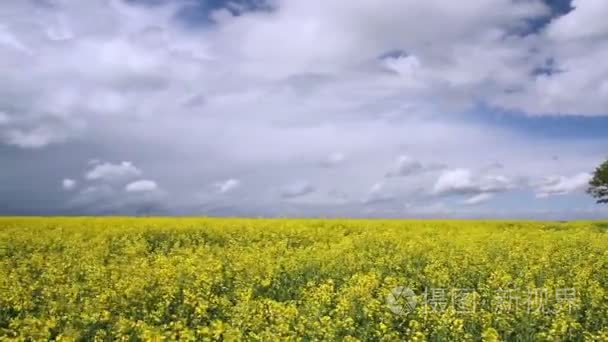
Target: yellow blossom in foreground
(193, 279)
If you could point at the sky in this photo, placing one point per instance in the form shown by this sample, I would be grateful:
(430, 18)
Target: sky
(290, 108)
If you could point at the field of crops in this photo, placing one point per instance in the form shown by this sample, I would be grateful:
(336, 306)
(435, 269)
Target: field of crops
(254, 279)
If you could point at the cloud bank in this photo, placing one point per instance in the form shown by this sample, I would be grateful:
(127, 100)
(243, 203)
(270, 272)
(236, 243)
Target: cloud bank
(227, 105)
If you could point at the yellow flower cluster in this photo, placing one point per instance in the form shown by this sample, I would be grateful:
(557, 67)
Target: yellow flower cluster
(204, 279)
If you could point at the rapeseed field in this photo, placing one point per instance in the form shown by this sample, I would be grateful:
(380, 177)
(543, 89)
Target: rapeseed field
(193, 279)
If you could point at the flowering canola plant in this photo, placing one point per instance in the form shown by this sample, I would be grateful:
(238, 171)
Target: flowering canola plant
(193, 279)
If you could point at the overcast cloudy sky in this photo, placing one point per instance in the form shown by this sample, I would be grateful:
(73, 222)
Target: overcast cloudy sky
(394, 108)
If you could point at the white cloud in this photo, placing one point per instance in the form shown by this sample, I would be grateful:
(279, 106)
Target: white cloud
(465, 182)
(586, 20)
(4, 119)
(378, 194)
(142, 198)
(478, 199)
(115, 78)
(297, 189)
(111, 172)
(141, 186)
(106, 191)
(407, 166)
(68, 184)
(126, 62)
(334, 159)
(573, 82)
(227, 185)
(9, 40)
(377, 187)
(562, 185)
(407, 66)
(94, 193)
(459, 181)
(32, 138)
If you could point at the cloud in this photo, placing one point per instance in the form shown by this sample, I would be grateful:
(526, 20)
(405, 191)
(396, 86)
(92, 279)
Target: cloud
(146, 63)
(195, 100)
(378, 194)
(334, 159)
(586, 20)
(111, 172)
(338, 196)
(92, 195)
(406, 166)
(106, 199)
(32, 138)
(562, 185)
(104, 191)
(127, 80)
(478, 199)
(4, 119)
(465, 182)
(141, 186)
(571, 82)
(227, 185)
(495, 166)
(131, 61)
(11, 41)
(68, 184)
(297, 189)
(433, 209)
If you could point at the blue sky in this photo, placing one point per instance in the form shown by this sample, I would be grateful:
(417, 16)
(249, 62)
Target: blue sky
(556, 127)
(390, 108)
